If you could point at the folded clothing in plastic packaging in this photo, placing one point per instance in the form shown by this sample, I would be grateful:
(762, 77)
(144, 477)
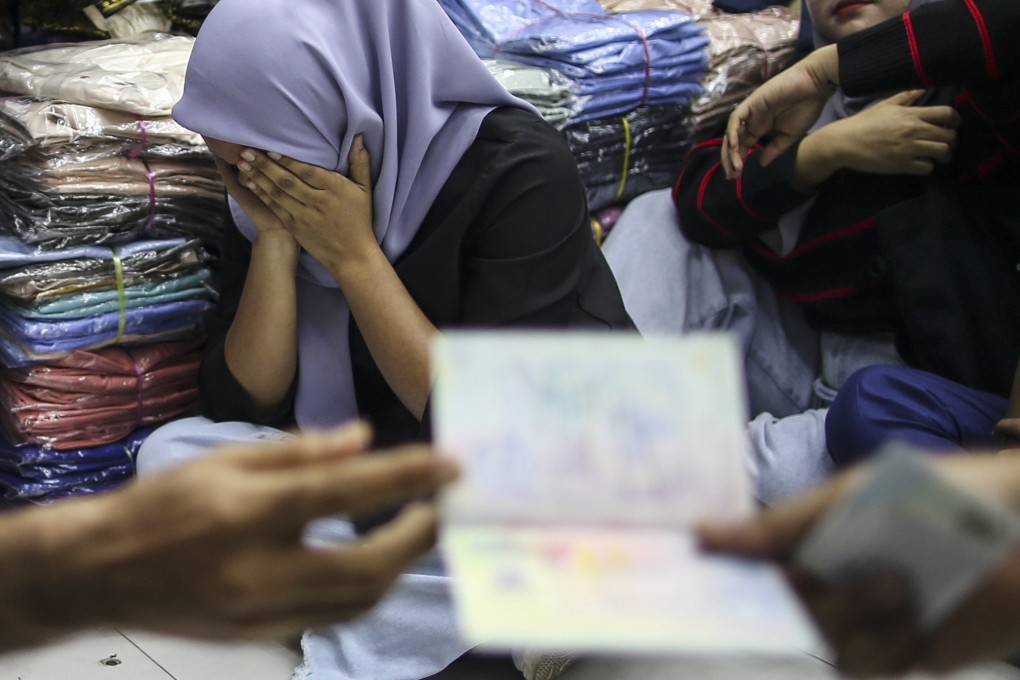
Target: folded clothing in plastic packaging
(87, 399)
(614, 62)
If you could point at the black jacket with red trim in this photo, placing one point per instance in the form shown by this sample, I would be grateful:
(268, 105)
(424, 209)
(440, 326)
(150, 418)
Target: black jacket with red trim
(935, 259)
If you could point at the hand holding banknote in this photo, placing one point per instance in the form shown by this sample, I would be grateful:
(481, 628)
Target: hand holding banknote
(904, 565)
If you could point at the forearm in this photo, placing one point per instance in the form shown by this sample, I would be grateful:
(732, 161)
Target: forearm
(55, 567)
(718, 212)
(394, 328)
(816, 160)
(939, 44)
(261, 345)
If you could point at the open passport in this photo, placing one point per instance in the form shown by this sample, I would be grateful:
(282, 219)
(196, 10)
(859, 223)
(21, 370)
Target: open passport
(587, 459)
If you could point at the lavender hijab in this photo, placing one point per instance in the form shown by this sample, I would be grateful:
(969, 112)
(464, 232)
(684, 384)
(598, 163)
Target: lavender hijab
(303, 78)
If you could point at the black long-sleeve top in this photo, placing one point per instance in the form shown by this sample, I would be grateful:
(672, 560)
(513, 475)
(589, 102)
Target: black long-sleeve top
(507, 243)
(934, 259)
(838, 269)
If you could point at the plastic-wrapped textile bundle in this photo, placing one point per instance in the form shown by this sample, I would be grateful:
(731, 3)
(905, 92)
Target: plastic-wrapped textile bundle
(625, 156)
(745, 51)
(23, 341)
(41, 474)
(697, 9)
(88, 399)
(28, 275)
(60, 127)
(91, 297)
(545, 89)
(143, 75)
(614, 62)
(91, 303)
(81, 219)
(77, 174)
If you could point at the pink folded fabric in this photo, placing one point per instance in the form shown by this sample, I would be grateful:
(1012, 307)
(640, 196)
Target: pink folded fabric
(91, 398)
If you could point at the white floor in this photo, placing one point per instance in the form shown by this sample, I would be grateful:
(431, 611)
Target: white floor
(113, 655)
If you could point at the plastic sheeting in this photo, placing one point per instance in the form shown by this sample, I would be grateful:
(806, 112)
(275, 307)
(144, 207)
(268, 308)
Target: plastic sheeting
(92, 398)
(76, 174)
(545, 89)
(27, 275)
(614, 62)
(27, 121)
(41, 475)
(746, 50)
(143, 75)
(623, 157)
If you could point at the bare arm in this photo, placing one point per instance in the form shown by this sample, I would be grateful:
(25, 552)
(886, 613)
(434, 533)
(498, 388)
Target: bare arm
(330, 216)
(213, 549)
(261, 345)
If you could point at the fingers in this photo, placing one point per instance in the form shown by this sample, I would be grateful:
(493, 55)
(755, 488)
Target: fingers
(385, 553)
(361, 164)
(940, 152)
(732, 160)
(943, 116)
(310, 449)
(361, 483)
(776, 532)
(312, 175)
(276, 186)
(905, 98)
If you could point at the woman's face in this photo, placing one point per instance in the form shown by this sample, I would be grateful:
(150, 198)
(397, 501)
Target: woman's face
(834, 19)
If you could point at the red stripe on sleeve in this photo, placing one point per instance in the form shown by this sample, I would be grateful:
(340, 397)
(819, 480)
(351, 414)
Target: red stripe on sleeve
(915, 53)
(986, 40)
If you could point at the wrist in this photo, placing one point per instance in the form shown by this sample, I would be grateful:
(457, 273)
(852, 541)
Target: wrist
(58, 566)
(815, 162)
(277, 245)
(823, 65)
(357, 262)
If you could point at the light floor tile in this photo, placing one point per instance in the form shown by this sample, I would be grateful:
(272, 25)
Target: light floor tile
(82, 658)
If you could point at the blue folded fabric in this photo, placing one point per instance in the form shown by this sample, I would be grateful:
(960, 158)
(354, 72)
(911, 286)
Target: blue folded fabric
(92, 302)
(16, 253)
(614, 62)
(25, 340)
(39, 475)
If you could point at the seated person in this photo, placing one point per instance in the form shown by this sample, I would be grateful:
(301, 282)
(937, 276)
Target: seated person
(383, 187)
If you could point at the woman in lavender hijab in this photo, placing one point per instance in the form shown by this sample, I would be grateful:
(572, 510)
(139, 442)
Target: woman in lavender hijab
(382, 187)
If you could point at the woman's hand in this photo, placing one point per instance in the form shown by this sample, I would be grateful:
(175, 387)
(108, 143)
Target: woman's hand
(785, 107)
(329, 215)
(895, 138)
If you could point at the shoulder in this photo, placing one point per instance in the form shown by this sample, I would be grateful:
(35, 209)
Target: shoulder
(519, 143)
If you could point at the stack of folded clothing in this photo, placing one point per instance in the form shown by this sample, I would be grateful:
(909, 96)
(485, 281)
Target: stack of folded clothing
(53, 302)
(613, 62)
(89, 399)
(625, 156)
(744, 50)
(42, 474)
(106, 207)
(78, 174)
(697, 9)
(545, 89)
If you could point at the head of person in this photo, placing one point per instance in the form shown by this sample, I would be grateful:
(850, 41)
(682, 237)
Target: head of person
(835, 19)
(303, 78)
